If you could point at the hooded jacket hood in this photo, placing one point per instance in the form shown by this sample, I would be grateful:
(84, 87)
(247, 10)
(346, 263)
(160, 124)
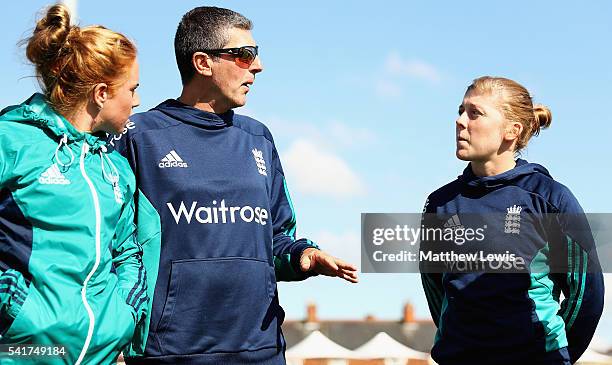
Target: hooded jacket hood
(194, 116)
(522, 168)
(37, 111)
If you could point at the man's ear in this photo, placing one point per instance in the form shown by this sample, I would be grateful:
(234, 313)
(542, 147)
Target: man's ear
(100, 94)
(202, 63)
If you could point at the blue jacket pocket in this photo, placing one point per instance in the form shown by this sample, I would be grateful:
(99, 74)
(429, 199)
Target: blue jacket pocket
(220, 305)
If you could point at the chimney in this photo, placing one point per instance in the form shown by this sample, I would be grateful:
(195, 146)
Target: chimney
(311, 313)
(408, 313)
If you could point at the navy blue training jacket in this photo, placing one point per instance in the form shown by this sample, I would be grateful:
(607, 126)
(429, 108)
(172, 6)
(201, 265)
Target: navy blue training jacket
(228, 229)
(516, 318)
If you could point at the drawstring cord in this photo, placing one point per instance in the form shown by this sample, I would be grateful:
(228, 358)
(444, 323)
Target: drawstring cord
(113, 177)
(63, 141)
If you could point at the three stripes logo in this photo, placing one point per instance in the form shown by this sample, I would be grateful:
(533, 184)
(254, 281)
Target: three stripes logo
(53, 176)
(172, 159)
(453, 223)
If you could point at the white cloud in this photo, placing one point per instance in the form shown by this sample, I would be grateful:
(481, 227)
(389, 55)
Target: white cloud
(387, 88)
(346, 245)
(418, 69)
(390, 80)
(312, 169)
(332, 134)
(349, 136)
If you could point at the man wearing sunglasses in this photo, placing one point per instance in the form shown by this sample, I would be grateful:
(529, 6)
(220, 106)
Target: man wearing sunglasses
(214, 180)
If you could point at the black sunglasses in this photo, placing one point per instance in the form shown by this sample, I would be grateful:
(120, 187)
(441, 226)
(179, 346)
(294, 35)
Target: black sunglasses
(245, 54)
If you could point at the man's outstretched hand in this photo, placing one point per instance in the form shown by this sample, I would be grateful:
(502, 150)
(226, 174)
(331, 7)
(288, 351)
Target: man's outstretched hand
(322, 263)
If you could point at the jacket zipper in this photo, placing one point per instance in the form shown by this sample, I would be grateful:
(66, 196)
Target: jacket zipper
(94, 195)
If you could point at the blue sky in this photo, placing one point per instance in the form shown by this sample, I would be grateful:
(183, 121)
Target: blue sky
(362, 98)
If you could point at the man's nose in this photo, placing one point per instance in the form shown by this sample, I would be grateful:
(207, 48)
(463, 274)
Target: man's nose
(256, 66)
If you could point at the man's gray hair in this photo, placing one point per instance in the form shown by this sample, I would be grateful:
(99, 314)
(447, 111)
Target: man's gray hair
(202, 28)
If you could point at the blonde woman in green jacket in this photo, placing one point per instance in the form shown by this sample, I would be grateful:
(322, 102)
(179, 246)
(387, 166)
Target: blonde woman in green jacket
(71, 274)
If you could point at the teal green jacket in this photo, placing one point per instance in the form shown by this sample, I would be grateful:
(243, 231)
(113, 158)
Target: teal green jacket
(71, 270)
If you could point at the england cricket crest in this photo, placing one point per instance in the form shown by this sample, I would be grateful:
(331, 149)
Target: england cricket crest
(513, 220)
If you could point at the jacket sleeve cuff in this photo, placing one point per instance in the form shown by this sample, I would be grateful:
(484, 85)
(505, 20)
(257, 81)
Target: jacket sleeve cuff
(296, 255)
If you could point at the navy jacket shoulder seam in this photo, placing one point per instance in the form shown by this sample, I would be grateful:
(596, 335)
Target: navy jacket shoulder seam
(548, 202)
(256, 135)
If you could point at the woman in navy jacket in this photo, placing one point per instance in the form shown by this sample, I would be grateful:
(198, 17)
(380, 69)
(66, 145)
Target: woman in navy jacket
(512, 318)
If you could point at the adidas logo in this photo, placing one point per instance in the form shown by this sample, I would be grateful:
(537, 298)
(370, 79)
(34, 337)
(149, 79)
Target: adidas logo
(259, 161)
(172, 159)
(53, 176)
(453, 222)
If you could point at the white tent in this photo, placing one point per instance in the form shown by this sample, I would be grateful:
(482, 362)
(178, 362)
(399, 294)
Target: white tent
(591, 357)
(317, 346)
(383, 346)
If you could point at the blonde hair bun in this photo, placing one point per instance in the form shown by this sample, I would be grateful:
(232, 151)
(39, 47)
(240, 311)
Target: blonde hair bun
(49, 36)
(543, 117)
